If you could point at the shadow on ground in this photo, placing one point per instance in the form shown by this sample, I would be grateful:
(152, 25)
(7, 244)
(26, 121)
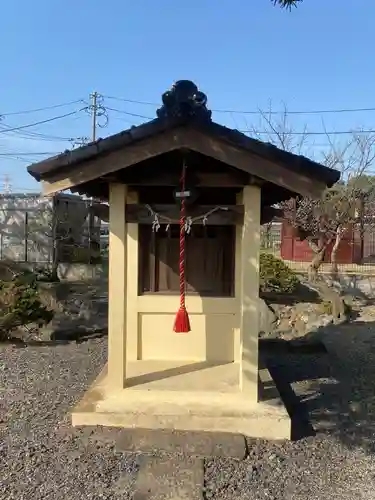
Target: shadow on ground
(59, 338)
(329, 386)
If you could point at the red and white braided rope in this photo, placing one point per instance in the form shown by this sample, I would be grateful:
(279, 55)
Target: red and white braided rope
(182, 239)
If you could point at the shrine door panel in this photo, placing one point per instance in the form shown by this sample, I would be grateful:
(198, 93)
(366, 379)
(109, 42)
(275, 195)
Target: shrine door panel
(210, 252)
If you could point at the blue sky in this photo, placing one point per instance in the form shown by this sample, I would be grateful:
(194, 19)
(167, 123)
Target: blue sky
(241, 53)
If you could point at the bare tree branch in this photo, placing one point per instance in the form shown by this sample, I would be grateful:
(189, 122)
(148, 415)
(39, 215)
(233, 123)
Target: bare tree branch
(279, 131)
(324, 223)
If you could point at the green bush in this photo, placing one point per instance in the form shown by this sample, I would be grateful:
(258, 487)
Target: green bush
(276, 276)
(20, 304)
(45, 275)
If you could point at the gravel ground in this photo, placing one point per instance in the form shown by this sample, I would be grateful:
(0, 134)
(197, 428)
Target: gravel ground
(335, 462)
(42, 457)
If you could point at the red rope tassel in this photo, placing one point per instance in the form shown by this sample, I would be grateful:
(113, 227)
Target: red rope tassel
(182, 323)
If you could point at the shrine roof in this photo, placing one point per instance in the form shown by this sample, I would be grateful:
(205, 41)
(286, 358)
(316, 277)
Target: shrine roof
(183, 106)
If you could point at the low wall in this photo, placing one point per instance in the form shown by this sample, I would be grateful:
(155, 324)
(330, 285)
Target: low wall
(357, 284)
(350, 283)
(74, 272)
(84, 272)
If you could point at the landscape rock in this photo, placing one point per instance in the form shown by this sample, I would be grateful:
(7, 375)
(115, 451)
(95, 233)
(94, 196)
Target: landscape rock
(298, 320)
(267, 317)
(81, 309)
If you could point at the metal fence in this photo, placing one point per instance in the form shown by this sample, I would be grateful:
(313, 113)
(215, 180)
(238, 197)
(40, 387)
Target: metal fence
(356, 252)
(26, 235)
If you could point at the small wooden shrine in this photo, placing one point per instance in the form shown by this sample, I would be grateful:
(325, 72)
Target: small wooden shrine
(186, 198)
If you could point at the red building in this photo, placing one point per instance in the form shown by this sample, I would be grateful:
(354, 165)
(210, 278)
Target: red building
(351, 249)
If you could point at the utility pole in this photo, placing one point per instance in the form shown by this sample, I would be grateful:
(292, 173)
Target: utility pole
(94, 115)
(94, 108)
(7, 187)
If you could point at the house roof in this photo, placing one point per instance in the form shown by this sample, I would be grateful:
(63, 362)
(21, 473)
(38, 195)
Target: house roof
(179, 110)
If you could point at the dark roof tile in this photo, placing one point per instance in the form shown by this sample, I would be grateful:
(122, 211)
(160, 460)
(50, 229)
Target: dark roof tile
(158, 125)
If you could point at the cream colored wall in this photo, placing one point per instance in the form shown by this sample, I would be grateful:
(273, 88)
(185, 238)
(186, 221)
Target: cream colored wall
(222, 329)
(213, 323)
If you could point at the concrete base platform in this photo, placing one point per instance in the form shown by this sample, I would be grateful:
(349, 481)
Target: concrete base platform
(187, 397)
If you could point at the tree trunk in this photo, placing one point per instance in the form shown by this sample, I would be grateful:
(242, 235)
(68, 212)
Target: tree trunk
(334, 266)
(317, 260)
(54, 271)
(326, 292)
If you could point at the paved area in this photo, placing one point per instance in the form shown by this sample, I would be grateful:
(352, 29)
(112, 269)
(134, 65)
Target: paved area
(195, 444)
(176, 478)
(43, 457)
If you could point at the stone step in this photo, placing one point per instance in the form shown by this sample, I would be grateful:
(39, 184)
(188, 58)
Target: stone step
(199, 444)
(172, 477)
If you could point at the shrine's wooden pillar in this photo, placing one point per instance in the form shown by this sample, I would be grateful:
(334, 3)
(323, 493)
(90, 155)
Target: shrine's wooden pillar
(132, 316)
(249, 291)
(117, 286)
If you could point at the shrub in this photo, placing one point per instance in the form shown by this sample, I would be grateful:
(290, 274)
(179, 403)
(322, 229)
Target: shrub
(276, 276)
(45, 275)
(20, 304)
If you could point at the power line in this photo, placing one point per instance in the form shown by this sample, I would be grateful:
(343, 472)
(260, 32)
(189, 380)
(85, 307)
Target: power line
(26, 134)
(264, 132)
(43, 137)
(129, 114)
(36, 135)
(30, 153)
(260, 112)
(36, 110)
(40, 122)
(229, 111)
(123, 119)
(131, 101)
(22, 158)
(296, 112)
(340, 132)
(39, 136)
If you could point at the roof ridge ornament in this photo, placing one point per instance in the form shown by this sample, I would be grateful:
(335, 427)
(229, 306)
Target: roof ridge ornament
(184, 100)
